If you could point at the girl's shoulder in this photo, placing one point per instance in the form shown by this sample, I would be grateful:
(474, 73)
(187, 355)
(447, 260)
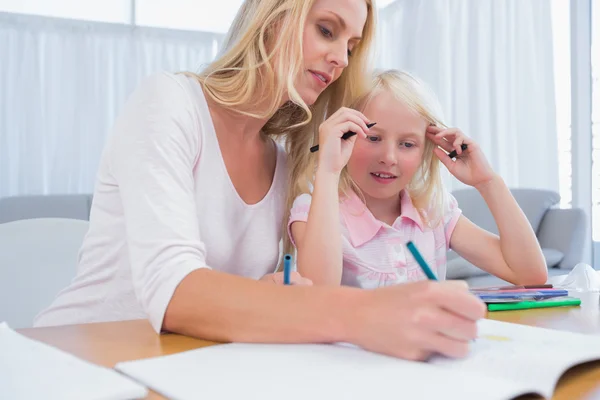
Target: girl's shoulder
(302, 200)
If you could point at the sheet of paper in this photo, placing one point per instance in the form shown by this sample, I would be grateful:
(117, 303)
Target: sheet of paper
(31, 369)
(524, 354)
(311, 371)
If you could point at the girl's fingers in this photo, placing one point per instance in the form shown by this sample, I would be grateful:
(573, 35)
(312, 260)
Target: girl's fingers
(350, 126)
(364, 130)
(457, 145)
(434, 129)
(443, 143)
(346, 114)
(450, 133)
(447, 161)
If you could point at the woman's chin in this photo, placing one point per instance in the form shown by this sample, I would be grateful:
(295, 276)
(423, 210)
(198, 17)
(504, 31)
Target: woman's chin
(310, 96)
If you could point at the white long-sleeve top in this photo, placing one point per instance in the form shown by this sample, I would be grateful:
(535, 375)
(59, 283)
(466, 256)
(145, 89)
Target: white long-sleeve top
(164, 206)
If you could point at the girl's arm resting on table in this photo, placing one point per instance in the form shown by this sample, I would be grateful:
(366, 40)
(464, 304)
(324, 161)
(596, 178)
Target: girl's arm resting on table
(515, 255)
(319, 239)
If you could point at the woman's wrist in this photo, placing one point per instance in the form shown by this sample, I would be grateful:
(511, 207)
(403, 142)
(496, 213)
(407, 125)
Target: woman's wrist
(342, 319)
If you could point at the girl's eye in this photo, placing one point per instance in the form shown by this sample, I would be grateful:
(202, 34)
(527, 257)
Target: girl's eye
(407, 145)
(349, 53)
(326, 32)
(373, 138)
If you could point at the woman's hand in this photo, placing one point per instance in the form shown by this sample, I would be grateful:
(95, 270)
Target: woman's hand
(334, 152)
(416, 320)
(470, 167)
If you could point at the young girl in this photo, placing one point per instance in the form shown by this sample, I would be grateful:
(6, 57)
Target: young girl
(382, 188)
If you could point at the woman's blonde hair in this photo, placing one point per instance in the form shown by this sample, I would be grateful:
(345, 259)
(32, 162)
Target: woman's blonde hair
(261, 29)
(246, 70)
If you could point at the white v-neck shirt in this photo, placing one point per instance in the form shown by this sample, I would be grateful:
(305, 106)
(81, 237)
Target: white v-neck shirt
(164, 205)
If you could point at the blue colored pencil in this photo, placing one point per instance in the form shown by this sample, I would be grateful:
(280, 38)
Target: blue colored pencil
(287, 268)
(421, 261)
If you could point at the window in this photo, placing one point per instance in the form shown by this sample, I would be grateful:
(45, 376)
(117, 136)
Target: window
(192, 15)
(203, 15)
(118, 11)
(562, 80)
(595, 121)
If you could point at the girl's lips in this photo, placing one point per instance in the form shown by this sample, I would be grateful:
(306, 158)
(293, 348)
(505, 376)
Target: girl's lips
(383, 178)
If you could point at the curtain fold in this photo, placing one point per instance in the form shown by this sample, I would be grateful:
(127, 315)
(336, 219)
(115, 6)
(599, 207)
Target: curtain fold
(62, 83)
(491, 64)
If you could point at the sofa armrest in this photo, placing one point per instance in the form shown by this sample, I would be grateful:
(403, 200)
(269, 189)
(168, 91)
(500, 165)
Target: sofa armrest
(564, 230)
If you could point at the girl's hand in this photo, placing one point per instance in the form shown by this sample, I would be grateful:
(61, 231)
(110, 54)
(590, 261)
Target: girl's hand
(334, 152)
(295, 279)
(470, 167)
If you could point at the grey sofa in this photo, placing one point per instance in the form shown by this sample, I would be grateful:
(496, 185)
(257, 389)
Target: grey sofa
(72, 206)
(560, 232)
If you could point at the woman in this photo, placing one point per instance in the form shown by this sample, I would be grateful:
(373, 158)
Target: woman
(189, 204)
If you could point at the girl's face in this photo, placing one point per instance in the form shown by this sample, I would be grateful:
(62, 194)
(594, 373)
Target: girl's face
(386, 161)
(333, 28)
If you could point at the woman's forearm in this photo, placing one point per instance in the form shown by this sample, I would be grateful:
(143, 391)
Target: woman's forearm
(222, 307)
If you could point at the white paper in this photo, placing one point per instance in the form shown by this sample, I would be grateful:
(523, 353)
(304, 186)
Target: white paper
(301, 372)
(506, 360)
(525, 354)
(30, 369)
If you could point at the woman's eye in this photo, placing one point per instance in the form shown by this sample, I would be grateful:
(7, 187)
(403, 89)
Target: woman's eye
(326, 32)
(373, 138)
(349, 53)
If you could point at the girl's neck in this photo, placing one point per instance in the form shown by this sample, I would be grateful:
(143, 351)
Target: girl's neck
(385, 210)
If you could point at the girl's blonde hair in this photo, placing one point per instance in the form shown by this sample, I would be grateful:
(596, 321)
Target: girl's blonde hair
(246, 70)
(426, 188)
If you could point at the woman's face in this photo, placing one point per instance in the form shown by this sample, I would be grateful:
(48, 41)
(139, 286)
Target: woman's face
(333, 28)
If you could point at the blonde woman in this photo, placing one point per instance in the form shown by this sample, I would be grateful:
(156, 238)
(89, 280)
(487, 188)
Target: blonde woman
(381, 189)
(189, 205)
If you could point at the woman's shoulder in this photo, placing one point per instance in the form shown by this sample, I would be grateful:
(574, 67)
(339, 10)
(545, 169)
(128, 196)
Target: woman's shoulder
(166, 99)
(161, 113)
(169, 88)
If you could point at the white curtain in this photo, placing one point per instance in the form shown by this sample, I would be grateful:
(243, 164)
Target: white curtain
(491, 64)
(62, 83)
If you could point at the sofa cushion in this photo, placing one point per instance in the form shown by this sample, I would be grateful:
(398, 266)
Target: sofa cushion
(553, 257)
(72, 206)
(459, 268)
(533, 202)
(491, 280)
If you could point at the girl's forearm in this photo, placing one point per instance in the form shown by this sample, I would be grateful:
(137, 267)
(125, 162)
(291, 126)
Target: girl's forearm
(320, 252)
(518, 242)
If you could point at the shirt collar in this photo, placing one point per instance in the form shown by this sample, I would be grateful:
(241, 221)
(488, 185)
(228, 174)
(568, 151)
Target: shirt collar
(363, 226)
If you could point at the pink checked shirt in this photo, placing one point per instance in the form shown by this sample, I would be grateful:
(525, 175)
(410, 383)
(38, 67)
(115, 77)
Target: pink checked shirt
(375, 253)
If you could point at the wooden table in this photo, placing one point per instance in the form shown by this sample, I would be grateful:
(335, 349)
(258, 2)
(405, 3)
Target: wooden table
(112, 342)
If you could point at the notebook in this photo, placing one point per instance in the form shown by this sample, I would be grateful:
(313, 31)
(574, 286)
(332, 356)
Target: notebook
(507, 360)
(30, 369)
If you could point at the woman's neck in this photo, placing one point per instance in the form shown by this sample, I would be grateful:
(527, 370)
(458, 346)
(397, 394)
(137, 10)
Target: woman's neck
(245, 128)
